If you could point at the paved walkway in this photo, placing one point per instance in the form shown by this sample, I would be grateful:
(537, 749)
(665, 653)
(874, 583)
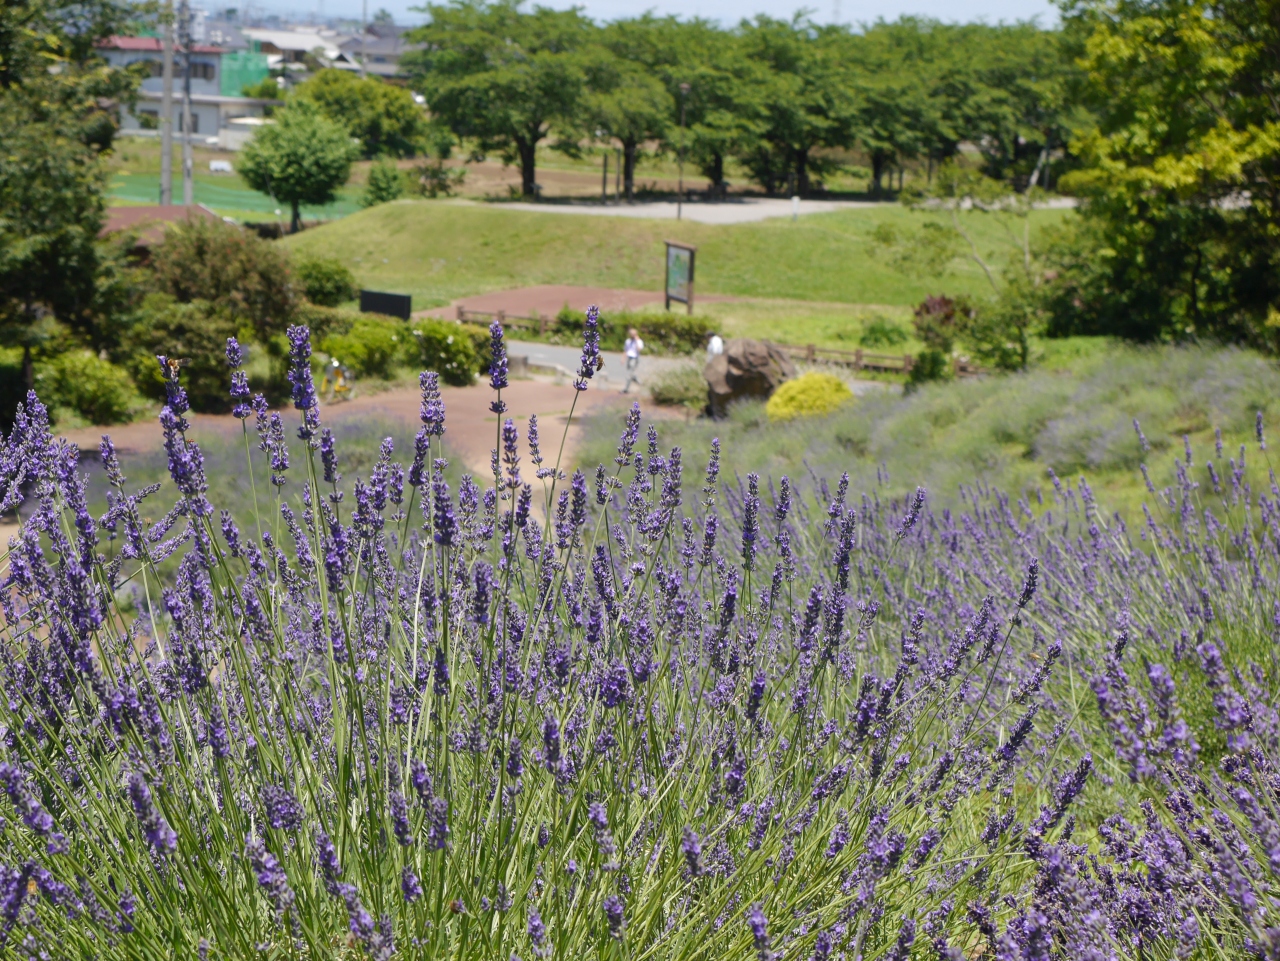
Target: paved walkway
(736, 210)
(470, 429)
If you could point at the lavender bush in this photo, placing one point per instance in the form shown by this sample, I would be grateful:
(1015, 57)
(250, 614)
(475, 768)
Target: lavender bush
(583, 716)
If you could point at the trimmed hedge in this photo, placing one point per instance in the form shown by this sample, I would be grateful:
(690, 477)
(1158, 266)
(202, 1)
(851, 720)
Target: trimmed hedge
(662, 333)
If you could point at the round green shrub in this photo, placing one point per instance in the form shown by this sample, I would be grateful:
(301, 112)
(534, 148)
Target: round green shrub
(386, 183)
(195, 333)
(810, 395)
(96, 389)
(682, 386)
(930, 365)
(370, 347)
(448, 349)
(326, 281)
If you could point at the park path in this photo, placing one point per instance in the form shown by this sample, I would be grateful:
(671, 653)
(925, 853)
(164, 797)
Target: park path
(470, 428)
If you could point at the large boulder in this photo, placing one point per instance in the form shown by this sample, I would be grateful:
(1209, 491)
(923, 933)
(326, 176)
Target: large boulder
(747, 368)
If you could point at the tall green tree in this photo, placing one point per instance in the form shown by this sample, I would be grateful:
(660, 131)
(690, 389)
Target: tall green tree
(628, 100)
(805, 99)
(504, 77)
(384, 118)
(57, 120)
(302, 158)
(1181, 172)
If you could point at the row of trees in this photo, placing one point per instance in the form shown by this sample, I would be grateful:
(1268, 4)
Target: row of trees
(785, 98)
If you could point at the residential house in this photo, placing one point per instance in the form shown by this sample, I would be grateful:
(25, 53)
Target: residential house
(380, 48)
(214, 104)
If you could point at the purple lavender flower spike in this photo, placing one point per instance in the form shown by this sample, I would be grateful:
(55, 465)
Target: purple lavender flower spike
(497, 366)
(913, 513)
(271, 876)
(235, 353)
(155, 828)
(759, 926)
(410, 886)
(590, 349)
(304, 389)
(34, 816)
(1262, 439)
(614, 911)
(432, 410)
(1142, 438)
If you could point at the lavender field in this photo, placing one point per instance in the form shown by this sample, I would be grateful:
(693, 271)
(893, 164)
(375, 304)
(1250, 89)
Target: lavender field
(649, 711)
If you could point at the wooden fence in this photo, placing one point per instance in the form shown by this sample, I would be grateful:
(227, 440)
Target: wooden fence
(537, 322)
(858, 359)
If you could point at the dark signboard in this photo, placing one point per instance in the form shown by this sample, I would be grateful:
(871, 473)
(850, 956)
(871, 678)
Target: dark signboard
(393, 305)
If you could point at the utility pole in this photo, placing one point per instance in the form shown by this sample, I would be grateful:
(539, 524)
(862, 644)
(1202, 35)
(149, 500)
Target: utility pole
(684, 92)
(364, 32)
(166, 108)
(604, 179)
(617, 175)
(184, 36)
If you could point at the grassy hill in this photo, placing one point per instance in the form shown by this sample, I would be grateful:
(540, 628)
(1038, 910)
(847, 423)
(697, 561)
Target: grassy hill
(439, 250)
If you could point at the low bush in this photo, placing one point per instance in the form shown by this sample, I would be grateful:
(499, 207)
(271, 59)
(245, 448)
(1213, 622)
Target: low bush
(809, 395)
(386, 183)
(882, 332)
(194, 334)
(662, 333)
(326, 281)
(95, 389)
(370, 346)
(243, 275)
(929, 365)
(680, 387)
(448, 349)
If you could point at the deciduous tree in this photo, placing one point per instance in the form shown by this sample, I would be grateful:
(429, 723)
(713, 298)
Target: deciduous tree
(302, 158)
(504, 77)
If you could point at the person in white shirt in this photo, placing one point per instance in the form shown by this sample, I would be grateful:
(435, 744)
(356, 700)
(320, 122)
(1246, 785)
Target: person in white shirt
(632, 349)
(715, 346)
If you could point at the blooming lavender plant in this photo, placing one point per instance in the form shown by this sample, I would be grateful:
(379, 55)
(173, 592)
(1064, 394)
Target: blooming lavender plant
(644, 726)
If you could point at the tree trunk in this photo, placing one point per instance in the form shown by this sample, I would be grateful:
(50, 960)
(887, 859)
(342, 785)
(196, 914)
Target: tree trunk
(28, 369)
(802, 172)
(528, 166)
(629, 168)
(878, 163)
(717, 168)
(295, 224)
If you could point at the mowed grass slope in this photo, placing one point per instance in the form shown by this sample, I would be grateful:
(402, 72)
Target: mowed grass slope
(440, 250)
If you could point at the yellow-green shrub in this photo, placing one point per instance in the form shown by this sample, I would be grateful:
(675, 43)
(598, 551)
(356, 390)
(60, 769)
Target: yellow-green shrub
(811, 395)
(370, 346)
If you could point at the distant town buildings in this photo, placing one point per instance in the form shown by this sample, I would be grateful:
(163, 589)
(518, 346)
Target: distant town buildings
(232, 52)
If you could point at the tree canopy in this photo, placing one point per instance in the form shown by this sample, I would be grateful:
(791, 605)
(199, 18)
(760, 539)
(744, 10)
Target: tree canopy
(57, 118)
(302, 158)
(384, 118)
(503, 77)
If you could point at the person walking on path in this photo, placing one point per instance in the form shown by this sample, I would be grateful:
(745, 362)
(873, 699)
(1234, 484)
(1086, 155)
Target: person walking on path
(715, 346)
(632, 349)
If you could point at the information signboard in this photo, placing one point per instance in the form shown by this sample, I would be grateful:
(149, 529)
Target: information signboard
(679, 285)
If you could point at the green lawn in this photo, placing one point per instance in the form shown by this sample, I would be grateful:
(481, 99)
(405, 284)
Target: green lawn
(439, 250)
(226, 194)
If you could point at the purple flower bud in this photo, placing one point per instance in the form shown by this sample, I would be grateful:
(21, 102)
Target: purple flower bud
(590, 348)
(154, 827)
(613, 914)
(235, 353)
(759, 926)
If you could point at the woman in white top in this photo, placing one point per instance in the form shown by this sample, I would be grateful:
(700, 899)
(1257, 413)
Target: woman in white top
(715, 346)
(632, 349)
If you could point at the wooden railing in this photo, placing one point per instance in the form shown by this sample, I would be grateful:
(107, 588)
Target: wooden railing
(537, 322)
(857, 359)
(860, 359)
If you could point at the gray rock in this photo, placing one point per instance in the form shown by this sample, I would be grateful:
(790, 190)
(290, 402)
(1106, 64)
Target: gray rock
(747, 368)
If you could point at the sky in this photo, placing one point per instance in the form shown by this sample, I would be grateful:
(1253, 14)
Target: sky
(728, 12)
